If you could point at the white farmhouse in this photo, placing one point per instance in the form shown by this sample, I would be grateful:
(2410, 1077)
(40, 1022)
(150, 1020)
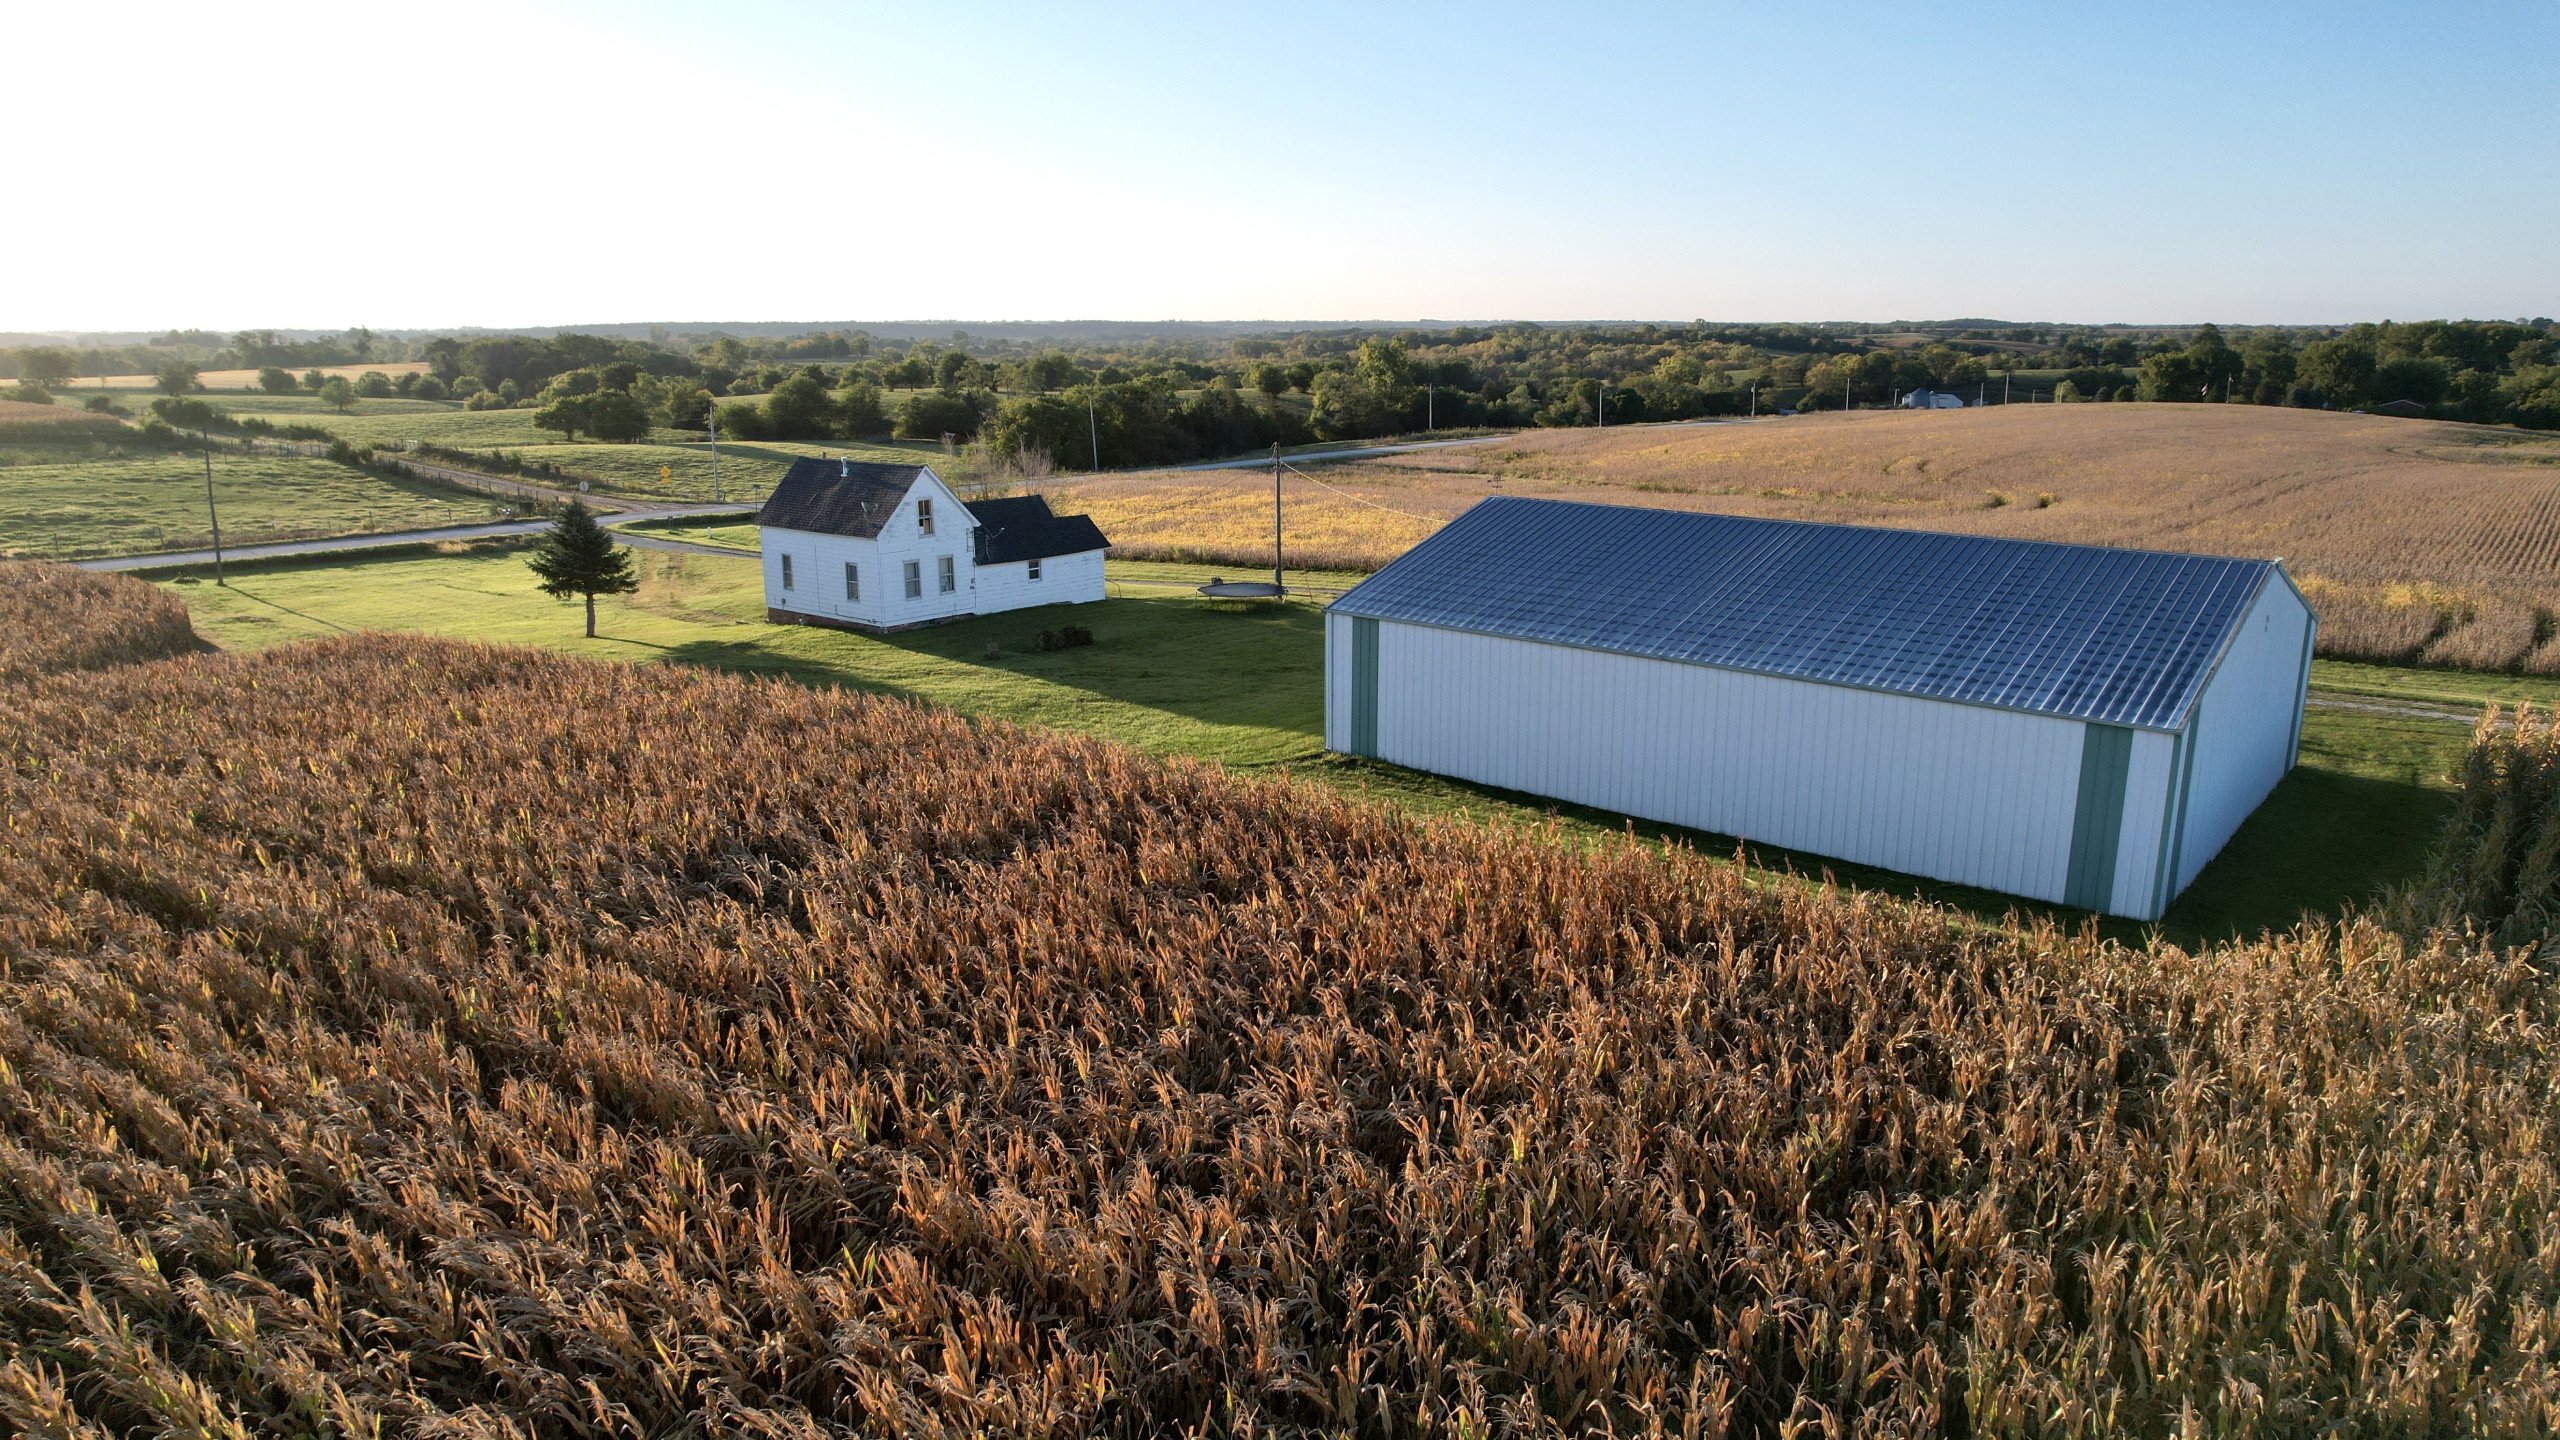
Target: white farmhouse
(2065, 722)
(1932, 400)
(865, 546)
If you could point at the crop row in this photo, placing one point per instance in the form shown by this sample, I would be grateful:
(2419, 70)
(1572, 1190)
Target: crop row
(411, 1037)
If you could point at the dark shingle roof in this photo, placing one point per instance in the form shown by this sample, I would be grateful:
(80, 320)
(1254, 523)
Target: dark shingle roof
(2125, 637)
(1022, 528)
(837, 497)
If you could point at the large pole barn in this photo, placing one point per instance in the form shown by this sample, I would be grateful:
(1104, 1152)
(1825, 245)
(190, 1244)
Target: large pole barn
(2068, 723)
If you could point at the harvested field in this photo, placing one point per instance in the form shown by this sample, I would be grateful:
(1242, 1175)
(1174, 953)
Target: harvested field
(248, 379)
(407, 1037)
(2364, 502)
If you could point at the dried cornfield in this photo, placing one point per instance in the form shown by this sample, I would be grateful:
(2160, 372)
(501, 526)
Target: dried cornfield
(412, 1038)
(2372, 505)
(53, 617)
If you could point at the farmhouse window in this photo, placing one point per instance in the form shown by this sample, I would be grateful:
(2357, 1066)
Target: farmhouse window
(950, 581)
(1035, 569)
(786, 572)
(924, 517)
(915, 580)
(852, 581)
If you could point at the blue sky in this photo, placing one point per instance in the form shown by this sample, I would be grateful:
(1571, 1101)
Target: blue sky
(537, 164)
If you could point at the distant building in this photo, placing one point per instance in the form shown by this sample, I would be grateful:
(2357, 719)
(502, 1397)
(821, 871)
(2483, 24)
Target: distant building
(881, 547)
(2064, 722)
(1932, 400)
(2405, 409)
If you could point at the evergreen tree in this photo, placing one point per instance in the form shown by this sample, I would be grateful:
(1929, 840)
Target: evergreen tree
(577, 557)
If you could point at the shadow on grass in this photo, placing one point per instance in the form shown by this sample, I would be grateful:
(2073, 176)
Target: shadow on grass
(2322, 844)
(1218, 664)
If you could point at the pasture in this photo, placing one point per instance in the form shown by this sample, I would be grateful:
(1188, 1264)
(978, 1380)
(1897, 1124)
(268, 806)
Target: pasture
(405, 1036)
(2419, 541)
(67, 501)
(1243, 686)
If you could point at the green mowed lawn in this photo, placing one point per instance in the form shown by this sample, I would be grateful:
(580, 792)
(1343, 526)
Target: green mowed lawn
(102, 501)
(1243, 685)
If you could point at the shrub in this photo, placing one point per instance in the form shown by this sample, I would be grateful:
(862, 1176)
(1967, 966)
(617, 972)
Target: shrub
(1065, 638)
(373, 385)
(743, 420)
(931, 414)
(429, 388)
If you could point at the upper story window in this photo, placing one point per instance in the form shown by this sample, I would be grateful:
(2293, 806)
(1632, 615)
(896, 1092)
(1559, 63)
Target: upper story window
(1035, 569)
(915, 580)
(924, 517)
(950, 578)
(786, 572)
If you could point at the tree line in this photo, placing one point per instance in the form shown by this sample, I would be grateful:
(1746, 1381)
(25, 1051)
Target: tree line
(1168, 398)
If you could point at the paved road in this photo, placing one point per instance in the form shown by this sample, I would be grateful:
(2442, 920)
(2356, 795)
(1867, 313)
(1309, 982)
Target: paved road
(352, 543)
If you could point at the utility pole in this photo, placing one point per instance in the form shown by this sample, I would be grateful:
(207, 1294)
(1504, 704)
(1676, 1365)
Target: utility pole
(2005, 377)
(1603, 407)
(1845, 382)
(1755, 399)
(713, 415)
(1277, 587)
(1428, 419)
(1093, 432)
(210, 514)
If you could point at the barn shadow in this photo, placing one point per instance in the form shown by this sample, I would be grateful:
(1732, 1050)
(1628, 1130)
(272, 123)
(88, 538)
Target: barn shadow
(2325, 843)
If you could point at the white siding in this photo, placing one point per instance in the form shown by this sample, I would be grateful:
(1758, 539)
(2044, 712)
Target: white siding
(1952, 792)
(902, 540)
(1064, 580)
(1337, 683)
(817, 575)
(2245, 725)
(2139, 845)
(818, 561)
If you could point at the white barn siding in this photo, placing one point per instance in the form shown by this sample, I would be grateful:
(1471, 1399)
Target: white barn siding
(2246, 725)
(2140, 843)
(1953, 792)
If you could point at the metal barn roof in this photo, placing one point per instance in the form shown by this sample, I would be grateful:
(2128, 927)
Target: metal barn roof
(2124, 637)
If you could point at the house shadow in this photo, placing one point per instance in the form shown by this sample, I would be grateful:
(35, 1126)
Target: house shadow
(1215, 662)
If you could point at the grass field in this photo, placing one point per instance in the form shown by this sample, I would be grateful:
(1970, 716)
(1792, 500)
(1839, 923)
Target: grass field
(1243, 686)
(65, 502)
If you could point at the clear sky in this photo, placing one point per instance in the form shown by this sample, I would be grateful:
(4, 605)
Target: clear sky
(454, 163)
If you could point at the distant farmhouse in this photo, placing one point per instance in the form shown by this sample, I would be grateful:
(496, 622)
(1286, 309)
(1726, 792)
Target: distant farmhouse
(2064, 722)
(865, 546)
(1932, 400)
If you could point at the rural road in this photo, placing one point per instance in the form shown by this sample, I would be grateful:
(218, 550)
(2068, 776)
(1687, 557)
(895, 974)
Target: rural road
(1357, 452)
(349, 543)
